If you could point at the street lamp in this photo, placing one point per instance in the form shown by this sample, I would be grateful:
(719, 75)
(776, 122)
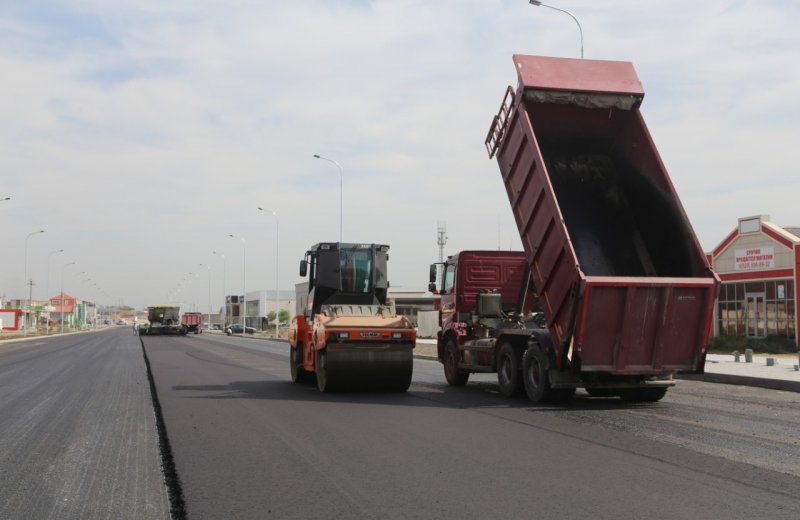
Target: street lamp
(47, 285)
(208, 270)
(340, 190)
(62, 293)
(243, 304)
(540, 4)
(30, 290)
(224, 288)
(277, 316)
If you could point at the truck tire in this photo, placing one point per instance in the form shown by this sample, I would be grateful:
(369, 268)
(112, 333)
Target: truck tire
(509, 371)
(455, 376)
(534, 374)
(642, 395)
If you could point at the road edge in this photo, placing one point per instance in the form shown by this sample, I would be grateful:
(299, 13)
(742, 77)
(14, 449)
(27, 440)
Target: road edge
(177, 505)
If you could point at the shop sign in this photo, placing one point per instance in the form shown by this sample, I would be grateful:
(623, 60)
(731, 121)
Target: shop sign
(755, 258)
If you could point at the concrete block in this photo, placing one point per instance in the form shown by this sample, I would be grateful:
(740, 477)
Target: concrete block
(771, 362)
(736, 356)
(748, 355)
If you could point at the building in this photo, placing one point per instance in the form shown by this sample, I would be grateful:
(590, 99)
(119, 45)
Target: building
(258, 304)
(758, 264)
(76, 313)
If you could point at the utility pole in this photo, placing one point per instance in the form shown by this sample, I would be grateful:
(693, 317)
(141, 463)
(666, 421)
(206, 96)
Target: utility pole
(441, 238)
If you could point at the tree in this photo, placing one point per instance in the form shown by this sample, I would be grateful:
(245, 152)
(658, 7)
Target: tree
(283, 316)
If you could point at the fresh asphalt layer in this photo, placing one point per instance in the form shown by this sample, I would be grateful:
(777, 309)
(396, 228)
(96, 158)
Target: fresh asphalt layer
(247, 443)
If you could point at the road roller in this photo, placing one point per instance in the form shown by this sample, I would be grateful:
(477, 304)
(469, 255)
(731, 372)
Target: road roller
(347, 334)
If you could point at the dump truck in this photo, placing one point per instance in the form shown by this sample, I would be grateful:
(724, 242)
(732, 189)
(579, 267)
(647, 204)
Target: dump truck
(163, 319)
(192, 321)
(612, 292)
(347, 334)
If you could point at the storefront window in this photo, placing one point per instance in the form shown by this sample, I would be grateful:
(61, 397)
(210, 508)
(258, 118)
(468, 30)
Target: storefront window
(757, 309)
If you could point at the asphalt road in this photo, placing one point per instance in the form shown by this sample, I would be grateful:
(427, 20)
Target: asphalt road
(77, 430)
(247, 443)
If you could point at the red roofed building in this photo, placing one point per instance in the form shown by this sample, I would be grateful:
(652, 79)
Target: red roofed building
(758, 263)
(66, 304)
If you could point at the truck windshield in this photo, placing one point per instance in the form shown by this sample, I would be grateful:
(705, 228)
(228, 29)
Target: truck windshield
(356, 269)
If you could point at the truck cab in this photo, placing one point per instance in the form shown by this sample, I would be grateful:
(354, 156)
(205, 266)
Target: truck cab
(487, 315)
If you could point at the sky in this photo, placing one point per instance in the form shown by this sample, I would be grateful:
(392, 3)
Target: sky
(140, 134)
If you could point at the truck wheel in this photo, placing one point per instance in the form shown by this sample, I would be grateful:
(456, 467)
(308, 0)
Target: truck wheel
(642, 395)
(455, 376)
(509, 374)
(534, 374)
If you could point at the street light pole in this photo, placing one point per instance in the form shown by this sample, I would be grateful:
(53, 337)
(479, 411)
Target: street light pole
(277, 315)
(63, 267)
(208, 269)
(540, 4)
(243, 302)
(47, 286)
(30, 289)
(340, 189)
(224, 289)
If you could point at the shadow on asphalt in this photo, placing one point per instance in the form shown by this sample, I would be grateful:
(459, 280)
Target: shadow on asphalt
(471, 396)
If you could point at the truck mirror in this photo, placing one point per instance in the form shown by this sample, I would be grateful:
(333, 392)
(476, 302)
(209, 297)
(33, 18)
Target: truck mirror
(432, 287)
(432, 274)
(303, 267)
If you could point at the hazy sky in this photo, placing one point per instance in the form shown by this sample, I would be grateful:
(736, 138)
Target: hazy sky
(139, 134)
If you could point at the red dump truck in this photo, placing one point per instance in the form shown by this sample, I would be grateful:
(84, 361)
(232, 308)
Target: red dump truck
(612, 292)
(192, 322)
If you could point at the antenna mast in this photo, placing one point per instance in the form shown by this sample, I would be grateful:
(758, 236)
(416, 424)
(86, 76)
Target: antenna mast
(441, 238)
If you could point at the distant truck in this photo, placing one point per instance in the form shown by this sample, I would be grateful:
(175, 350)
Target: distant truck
(193, 322)
(348, 333)
(612, 292)
(163, 319)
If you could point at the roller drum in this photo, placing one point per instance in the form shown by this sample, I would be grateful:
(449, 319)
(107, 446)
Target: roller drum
(384, 366)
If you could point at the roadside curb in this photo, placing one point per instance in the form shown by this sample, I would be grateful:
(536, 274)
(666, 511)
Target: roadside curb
(427, 358)
(729, 379)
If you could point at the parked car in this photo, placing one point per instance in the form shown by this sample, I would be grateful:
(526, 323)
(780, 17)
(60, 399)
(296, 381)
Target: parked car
(236, 328)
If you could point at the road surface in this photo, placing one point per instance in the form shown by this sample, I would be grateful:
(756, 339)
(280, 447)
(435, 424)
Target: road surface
(247, 443)
(77, 430)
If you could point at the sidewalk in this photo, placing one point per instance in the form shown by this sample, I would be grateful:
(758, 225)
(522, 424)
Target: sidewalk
(720, 368)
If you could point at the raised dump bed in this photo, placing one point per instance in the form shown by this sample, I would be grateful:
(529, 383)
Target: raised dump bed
(624, 285)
